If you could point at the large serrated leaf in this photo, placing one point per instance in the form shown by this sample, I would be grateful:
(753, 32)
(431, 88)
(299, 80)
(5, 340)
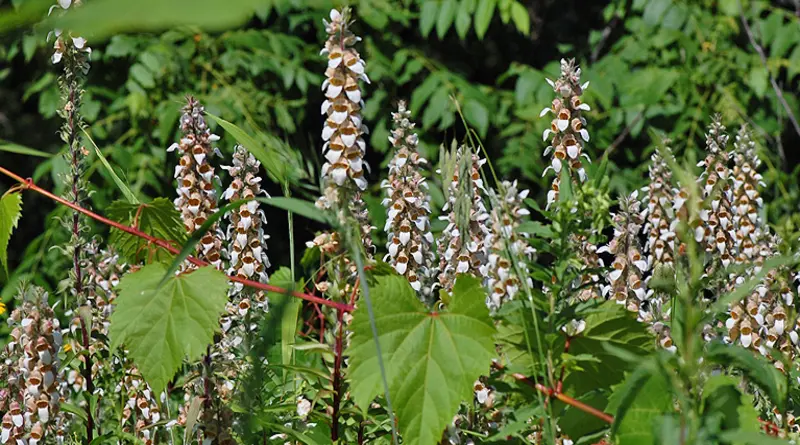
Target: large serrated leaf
(157, 218)
(10, 212)
(432, 358)
(162, 325)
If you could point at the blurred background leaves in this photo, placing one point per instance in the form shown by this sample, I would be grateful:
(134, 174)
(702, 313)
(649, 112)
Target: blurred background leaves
(658, 68)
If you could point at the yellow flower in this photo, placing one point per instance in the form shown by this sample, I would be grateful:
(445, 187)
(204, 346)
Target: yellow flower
(2, 308)
(67, 347)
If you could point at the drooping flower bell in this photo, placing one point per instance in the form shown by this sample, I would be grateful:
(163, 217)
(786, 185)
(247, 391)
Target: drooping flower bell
(567, 130)
(410, 242)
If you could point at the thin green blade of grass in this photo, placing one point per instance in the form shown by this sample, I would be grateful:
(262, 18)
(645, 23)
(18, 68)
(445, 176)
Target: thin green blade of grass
(129, 195)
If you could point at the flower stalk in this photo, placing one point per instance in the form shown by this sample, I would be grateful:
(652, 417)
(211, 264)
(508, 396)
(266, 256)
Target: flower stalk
(73, 53)
(410, 241)
(568, 128)
(464, 246)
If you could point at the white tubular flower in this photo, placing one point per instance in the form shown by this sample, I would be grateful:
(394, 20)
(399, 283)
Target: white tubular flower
(508, 248)
(410, 242)
(624, 281)
(196, 196)
(303, 407)
(466, 239)
(568, 128)
(344, 146)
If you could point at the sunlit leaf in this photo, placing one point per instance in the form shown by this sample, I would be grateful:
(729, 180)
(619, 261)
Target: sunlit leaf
(10, 213)
(432, 358)
(161, 326)
(157, 218)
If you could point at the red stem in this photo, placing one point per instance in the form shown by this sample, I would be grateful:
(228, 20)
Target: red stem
(28, 184)
(550, 392)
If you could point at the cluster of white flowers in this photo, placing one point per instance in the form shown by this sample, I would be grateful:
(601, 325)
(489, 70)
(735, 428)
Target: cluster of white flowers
(589, 281)
(68, 44)
(31, 369)
(141, 404)
(343, 132)
(508, 245)
(661, 223)
(245, 233)
(410, 241)
(747, 201)
(665, 202)
(464, 246)
(716, 231)
(625, 282)
(246, 253)
(568, 128)
(197, 199)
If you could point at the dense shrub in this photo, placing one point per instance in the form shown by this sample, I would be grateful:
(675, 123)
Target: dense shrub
(643, 293)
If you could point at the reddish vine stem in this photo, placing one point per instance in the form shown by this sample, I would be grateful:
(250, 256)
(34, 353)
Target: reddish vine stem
(551, 392)
(28, 184)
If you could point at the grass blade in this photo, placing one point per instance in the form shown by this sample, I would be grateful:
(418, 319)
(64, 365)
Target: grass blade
(120, 184)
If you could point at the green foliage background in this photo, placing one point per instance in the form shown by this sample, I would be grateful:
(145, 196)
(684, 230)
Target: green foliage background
(658, 67)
